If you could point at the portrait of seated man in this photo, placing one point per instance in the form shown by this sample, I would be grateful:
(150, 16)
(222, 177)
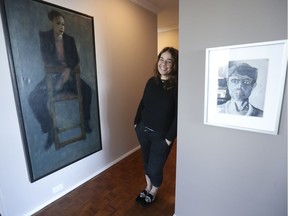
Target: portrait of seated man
(241, 80)
(59, 53)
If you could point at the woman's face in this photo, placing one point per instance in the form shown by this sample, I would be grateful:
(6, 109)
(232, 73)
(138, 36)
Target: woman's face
(165, 64)
(58, 25)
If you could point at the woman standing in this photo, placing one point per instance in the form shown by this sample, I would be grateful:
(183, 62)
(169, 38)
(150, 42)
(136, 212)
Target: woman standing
(156, 121)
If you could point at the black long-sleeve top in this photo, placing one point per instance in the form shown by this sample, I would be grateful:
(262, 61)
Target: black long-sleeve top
(158, 108)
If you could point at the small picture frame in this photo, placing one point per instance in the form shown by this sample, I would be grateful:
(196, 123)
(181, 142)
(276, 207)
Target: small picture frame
(244, 86)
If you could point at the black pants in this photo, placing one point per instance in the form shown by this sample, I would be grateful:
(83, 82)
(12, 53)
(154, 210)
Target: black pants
(38, 99)
(155, 152)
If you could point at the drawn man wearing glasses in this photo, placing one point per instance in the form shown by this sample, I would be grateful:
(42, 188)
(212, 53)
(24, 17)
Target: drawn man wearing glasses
(241, 80)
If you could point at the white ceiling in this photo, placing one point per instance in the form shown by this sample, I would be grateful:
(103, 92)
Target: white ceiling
(167, 12)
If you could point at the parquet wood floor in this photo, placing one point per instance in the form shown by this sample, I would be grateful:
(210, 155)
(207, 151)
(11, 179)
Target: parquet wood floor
(113, 192)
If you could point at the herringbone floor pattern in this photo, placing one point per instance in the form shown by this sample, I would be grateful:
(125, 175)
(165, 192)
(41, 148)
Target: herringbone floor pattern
(113, 192)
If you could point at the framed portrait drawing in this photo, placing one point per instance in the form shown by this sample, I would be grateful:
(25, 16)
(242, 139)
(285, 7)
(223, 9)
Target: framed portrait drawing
(51, 51)
(244, 86)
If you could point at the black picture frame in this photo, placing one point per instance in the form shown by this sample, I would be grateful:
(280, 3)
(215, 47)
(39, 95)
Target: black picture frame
(72, 130)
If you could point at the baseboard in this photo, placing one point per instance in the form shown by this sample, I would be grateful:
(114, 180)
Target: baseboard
(58, 196)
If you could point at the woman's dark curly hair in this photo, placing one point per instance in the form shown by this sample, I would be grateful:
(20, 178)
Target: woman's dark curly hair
(173, 75)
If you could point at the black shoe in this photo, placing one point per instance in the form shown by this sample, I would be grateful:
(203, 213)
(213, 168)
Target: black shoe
(141, 196)
(149, 199)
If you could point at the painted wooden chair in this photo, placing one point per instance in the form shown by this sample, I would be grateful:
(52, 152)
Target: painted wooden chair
(65, 108)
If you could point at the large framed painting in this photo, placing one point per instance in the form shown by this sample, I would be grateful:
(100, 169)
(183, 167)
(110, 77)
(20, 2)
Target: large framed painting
(51, 51)
(244, 86)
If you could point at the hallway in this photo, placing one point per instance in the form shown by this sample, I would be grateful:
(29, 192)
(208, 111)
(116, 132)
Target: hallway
(113, 192)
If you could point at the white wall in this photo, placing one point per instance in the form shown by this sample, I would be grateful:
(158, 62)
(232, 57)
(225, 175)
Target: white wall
(221, 171)
(126, 50)
(168, 38)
